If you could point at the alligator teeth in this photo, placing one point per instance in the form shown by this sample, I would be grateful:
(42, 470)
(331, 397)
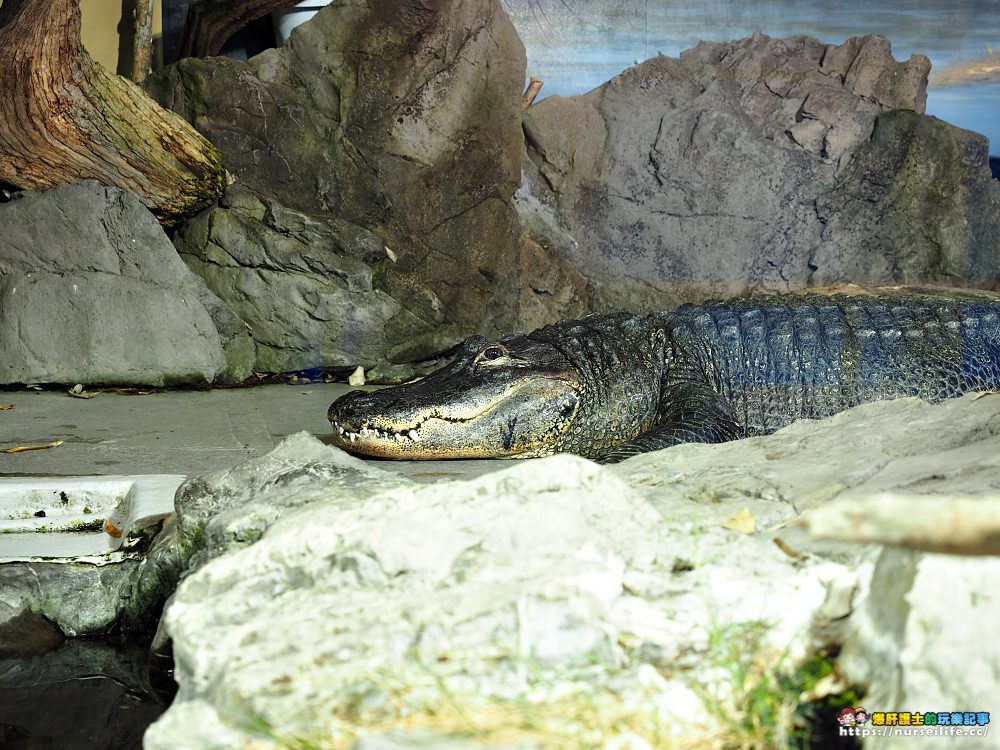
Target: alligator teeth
(366, 432)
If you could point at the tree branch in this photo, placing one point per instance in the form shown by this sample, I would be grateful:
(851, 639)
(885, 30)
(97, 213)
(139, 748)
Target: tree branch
(63, 118)
(142, 40)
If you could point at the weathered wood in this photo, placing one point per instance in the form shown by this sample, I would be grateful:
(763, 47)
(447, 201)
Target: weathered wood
(534, 86)
(210, 23)
(63, 118)
(142, 40)
(948, 524)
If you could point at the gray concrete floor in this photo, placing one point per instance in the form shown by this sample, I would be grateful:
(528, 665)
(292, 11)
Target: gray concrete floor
(177, 432)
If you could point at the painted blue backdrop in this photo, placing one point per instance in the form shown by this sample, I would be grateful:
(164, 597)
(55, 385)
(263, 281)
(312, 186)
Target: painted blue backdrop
(575, 45)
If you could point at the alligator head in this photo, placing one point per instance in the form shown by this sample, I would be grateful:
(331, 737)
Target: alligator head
(512, 397)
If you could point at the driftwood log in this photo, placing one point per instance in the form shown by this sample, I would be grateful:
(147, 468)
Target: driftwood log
(63, 118)
(947, 524)
(210, 23)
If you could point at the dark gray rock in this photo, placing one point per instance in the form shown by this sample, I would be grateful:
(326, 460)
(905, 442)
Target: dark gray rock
(79, 598)
(551, 287)
(92, 291)
(401, 123)
(915, 203)
(22, 632)
(303, 285)
(757, 165)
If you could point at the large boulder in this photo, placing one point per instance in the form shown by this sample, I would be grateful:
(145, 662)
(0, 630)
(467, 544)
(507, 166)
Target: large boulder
(302, 284)
(92, 291)
(73, 598)
(915, 203)
(643, 604)
(763, 164)
(401, 123)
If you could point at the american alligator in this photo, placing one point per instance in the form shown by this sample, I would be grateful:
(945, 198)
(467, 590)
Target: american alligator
(611, 386)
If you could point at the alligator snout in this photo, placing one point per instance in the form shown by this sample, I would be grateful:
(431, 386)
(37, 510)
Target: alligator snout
(349, 407)
(365, 423)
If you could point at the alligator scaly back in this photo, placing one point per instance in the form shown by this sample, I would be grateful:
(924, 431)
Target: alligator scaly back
(777, 359)
(612, 386)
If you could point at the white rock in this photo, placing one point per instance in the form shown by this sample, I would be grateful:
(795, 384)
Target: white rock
(557, 581)
(357, 377)
(924, 638)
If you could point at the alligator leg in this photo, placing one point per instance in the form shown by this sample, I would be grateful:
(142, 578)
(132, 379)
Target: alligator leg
(691, 413)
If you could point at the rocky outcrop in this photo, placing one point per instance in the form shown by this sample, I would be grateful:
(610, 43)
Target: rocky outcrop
(763, 164)
(916, 202)
(560, 598)
(551, 287)
(302, 284)
(228, 510)
(400, 125)
(77, 598)
(92, 291)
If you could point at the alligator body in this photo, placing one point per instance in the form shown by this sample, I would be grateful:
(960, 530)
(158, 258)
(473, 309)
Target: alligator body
(611, 386)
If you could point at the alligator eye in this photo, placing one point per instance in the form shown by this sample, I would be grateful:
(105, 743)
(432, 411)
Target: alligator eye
(493, 352)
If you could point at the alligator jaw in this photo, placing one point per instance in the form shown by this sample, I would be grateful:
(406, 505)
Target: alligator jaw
(388, 442)
(524, 420)
(379, 439)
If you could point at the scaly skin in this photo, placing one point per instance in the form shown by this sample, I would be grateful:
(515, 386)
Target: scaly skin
(612, 386)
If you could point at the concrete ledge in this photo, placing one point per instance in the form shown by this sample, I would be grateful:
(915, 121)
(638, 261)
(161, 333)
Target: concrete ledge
(69, 518)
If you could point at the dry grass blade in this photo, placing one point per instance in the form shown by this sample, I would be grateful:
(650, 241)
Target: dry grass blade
(788, 550)
(22, 448)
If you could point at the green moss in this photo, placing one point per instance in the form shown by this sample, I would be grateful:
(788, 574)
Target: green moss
(96, 525)
(761, 703)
